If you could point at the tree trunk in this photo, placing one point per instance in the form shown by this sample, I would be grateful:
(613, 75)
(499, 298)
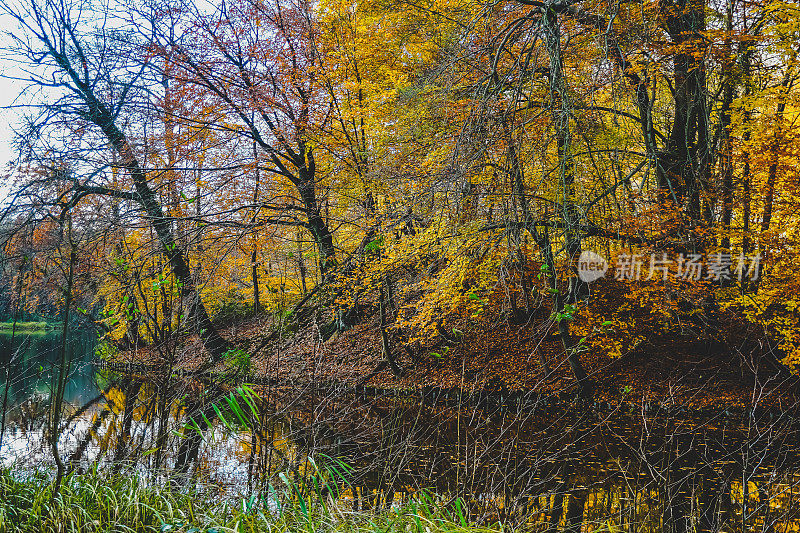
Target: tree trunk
(683, 166)
(387, 350)
(724, 133)
(100, 115)
(254, 256)
(316, 223)
(560, 109)
(557, 510)
(575, 507)
(58, 397)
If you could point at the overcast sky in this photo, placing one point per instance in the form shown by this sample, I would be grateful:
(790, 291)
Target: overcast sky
(8, 118)
(9, 89)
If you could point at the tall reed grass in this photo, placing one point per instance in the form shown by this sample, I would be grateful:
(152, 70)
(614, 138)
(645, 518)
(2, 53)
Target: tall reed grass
(124, 503)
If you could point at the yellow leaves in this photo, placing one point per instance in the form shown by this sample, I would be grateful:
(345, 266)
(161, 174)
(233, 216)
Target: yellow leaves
(775, 309)
(793, 358)
(441, 272)
(115, 399)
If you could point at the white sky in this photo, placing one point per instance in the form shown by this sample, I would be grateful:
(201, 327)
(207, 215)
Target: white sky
(9, 90)
(8, 118)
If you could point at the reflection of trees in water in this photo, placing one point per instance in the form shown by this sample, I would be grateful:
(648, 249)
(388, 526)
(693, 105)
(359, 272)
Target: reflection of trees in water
(30, 363)
(551, 464)
(27, 376)
(565, 464)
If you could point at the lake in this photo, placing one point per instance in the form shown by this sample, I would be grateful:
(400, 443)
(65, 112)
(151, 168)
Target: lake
(28, 371)
(31, 364)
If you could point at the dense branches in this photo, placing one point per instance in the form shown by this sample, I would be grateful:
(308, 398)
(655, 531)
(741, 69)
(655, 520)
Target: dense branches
(464, 154)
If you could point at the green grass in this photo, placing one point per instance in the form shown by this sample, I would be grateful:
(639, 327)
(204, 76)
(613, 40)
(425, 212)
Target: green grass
(98, 502)
(30, 326)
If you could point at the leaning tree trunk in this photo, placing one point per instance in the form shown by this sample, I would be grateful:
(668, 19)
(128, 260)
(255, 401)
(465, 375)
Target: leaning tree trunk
(316, 223)
(100, 115)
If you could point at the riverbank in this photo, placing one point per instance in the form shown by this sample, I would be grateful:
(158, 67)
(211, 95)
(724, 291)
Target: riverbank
(107, 502)
(713, 361)
(8, 327)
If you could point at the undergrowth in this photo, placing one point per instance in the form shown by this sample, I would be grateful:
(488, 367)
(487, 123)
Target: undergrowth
(105, 502)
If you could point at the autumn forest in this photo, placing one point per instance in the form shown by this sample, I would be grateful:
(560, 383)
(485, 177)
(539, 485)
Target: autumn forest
(481, 264)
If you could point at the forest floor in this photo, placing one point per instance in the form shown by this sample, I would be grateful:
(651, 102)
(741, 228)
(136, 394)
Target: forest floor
(724, 363)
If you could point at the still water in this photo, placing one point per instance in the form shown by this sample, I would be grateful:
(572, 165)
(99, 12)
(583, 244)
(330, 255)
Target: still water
(555, 464)
(29, 366)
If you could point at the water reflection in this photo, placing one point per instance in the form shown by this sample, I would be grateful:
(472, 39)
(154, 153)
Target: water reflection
(27, 366)
(547, 464)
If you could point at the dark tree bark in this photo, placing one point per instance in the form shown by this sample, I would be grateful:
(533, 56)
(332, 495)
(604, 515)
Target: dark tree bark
(560, 113)
(575, 507)
(254, 255)
(557, 510)
(724, 143)
(683, 167)
(387, 349)
(65, 49)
